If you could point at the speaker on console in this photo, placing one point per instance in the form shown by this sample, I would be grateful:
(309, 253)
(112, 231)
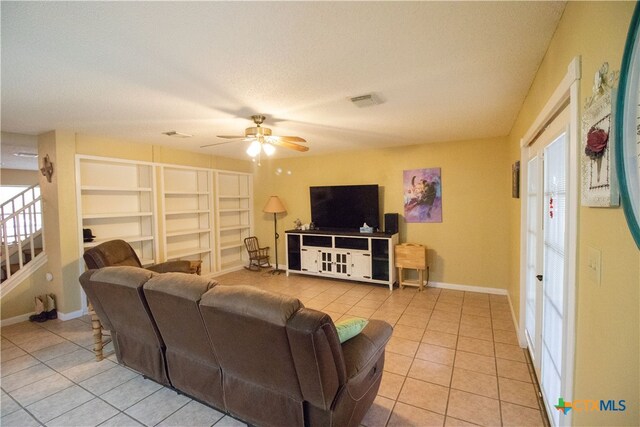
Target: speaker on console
(391, 223)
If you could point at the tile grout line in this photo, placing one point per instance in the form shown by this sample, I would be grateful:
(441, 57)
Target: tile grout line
(497, 374)
(73, 382)
(446, 409)
(395, 401)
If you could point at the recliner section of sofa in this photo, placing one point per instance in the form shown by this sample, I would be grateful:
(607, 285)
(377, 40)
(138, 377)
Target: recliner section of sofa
(118, 292)
(248, 331)
(260, 356)
(192, 366)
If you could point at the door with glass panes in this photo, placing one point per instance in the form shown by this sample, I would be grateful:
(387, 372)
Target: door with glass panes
(546, 267)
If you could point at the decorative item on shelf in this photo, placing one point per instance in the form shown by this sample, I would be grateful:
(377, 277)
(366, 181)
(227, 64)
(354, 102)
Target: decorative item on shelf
(422, 195)
(599, 185)
(47, 168)
(87, 235)
(627, 126)
(515, 180)
(298, 224)
(275, 206)
(366, 229)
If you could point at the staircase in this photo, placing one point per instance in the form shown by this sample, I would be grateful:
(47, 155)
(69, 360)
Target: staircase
(21, 238)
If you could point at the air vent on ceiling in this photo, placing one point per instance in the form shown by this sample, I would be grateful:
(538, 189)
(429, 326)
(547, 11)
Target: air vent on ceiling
(177, 134)
(366, 100)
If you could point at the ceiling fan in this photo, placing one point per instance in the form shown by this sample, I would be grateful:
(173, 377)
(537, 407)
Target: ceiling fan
(262, 139)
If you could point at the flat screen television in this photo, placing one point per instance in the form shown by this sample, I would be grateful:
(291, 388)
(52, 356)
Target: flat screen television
(344, 207)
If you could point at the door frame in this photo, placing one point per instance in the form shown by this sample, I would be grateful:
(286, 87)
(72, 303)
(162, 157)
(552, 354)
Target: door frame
(566, 95)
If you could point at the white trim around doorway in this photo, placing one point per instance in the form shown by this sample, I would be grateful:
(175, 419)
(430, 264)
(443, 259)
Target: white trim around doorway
(566, 94)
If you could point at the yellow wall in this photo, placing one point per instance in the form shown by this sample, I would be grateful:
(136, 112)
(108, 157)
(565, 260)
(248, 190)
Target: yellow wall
(471, 244)
(608, 322)
(20, 300)
(60, 227)
(18, 177)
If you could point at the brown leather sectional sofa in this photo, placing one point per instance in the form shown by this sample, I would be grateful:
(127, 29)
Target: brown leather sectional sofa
(262, 357)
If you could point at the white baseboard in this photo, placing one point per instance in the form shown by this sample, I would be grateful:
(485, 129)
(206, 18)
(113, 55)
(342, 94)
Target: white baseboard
(16, 319)
(220, 273)
(25, 317)
(69, 316)
(238, 268)
(521, 339)
(469, 288)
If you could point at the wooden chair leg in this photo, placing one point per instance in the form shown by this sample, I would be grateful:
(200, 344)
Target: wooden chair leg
(97, 334)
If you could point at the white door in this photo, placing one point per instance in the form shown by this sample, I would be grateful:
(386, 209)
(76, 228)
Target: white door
(554, 276)
(546, 259)
(533, 315)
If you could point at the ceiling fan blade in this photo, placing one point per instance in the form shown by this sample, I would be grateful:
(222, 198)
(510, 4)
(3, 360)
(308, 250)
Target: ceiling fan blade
(291, 138)
(231, 136)
(290, 145)
(216, 143)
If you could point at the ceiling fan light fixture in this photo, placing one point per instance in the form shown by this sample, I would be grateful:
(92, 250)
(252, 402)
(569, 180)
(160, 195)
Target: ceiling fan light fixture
(254, 148)
(257, 131)
(268, 149)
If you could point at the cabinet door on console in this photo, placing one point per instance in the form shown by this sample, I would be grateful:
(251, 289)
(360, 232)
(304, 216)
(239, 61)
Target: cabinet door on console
(309, 259)
(360, 266)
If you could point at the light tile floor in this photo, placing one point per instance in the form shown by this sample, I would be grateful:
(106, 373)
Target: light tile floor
(453, 360)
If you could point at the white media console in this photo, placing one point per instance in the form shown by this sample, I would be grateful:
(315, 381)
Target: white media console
(364, 257)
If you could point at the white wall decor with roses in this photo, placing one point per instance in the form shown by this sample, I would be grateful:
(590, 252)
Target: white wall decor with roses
(599, 182)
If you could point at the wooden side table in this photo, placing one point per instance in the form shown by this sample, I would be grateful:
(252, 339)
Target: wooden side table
(411, 256)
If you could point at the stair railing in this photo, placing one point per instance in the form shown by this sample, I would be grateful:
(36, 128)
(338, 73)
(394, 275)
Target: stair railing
(21, 222)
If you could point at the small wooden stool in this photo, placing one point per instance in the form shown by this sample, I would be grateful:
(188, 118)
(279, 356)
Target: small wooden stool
(411, 256)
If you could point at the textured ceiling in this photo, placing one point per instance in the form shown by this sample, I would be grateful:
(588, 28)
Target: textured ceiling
(445, 70)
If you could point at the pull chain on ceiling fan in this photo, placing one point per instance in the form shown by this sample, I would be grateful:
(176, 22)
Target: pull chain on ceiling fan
(262, 140)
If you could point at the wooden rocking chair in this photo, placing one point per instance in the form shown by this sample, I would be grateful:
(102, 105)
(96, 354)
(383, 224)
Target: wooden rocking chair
(258, 257)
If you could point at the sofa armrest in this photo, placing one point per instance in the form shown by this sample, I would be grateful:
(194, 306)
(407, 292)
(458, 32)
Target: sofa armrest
(362, 349)
(181, 266)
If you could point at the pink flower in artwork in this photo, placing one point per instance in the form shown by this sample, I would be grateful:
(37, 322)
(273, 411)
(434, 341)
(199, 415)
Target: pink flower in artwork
(597, 140)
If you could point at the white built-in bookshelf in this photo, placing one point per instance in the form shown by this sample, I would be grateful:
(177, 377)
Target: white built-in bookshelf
(234, 217)
(195, 214)
(116, 200)
(187, 203)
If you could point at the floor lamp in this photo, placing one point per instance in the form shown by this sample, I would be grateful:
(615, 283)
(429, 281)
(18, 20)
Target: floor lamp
(275, 206)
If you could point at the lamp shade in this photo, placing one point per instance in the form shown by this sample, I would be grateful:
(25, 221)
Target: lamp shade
(274, 205)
